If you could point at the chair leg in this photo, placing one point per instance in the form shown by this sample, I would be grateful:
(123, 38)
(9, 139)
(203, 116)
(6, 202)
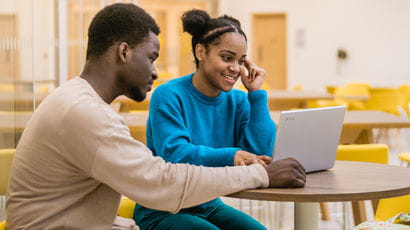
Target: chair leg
(324, 210)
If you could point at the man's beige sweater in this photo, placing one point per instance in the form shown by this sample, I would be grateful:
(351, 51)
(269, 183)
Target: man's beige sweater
(76, 157)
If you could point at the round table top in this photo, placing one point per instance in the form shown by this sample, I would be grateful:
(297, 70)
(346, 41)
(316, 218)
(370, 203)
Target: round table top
(346, 181)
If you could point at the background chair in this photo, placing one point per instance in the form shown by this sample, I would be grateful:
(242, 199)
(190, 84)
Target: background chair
(404, 158)
(390, 207)
(6, 158)
(404, 91)
(384, 99)
(126, 209)
(374, 153)
(353, 95)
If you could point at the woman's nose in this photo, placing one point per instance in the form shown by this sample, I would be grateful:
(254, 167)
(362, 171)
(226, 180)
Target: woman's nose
(234, 68)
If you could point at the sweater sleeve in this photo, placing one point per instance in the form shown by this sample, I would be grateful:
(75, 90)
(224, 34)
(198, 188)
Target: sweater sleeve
(128, 167)
(169, 138)
(258, 130)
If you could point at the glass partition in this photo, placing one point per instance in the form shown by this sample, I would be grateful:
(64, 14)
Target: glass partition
(43, 44)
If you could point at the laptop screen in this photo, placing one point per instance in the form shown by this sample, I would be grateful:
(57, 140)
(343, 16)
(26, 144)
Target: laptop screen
(311, 136)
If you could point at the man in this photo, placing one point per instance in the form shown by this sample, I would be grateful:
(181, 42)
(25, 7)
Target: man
(76, 156)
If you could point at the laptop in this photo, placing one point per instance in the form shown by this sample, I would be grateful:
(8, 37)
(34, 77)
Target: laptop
(311, 136)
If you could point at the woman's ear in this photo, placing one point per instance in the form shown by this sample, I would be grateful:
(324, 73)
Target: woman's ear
(200, 52)
(123, 48)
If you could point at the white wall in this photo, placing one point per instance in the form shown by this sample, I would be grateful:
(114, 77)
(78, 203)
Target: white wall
(375, 34)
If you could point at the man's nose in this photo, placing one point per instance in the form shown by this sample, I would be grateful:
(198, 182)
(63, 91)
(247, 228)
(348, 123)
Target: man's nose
(154, 74)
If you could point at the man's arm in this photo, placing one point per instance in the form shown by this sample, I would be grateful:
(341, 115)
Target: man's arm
(129, 167)
(153, 183)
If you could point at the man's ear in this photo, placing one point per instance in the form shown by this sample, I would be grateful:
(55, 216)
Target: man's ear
(200, 52)
(123, 49)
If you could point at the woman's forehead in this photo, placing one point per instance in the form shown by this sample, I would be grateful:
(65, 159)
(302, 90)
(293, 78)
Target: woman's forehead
(232, 41)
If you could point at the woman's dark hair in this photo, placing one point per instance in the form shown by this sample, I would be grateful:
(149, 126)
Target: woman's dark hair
(206, 30)
(119, 22)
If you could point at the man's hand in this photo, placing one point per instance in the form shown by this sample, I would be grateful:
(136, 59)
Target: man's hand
(286, 173)
(247, 158)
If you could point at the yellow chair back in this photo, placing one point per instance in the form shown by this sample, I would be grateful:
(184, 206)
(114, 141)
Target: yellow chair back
(374, 153)
(6, 158)
(353, 89)
(3, 225)
(331, 89)
(404, 91)
(127, 207)
(390, 207)
(352, 94)
(405, 157)
(384, 99)
(6, 88)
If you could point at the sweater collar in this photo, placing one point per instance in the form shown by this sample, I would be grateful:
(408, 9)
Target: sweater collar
(200, 96)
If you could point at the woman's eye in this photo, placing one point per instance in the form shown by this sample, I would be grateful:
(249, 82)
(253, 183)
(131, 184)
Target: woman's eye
(226, 58)
(241, 62)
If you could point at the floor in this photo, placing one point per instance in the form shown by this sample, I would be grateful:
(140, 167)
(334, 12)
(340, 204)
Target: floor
(268, 213)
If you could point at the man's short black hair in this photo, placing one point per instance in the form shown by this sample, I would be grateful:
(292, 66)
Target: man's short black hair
(119, 22)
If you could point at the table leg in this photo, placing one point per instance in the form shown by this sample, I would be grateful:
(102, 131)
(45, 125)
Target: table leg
(306, 216)
(359, 212)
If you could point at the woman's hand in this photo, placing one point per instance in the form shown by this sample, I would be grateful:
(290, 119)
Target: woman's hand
(247, 158)
(252, 76)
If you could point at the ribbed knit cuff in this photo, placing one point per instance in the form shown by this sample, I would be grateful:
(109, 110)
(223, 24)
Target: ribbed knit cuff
(263, 174)
(258, 96)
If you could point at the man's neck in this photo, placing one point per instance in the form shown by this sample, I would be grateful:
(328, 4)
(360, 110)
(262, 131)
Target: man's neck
(102, 79)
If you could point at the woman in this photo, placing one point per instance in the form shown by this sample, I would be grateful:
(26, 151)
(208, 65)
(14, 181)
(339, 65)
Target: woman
(199, 119)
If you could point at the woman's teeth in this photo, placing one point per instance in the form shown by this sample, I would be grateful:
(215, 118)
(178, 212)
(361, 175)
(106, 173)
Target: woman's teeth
(229, 77)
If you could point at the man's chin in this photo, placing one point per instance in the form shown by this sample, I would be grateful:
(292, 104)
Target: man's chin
(138, 97)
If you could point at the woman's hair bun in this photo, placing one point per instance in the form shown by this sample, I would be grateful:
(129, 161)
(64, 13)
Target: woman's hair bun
(194, 21)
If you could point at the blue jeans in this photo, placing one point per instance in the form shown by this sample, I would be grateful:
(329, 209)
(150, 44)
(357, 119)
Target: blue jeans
(215, 217)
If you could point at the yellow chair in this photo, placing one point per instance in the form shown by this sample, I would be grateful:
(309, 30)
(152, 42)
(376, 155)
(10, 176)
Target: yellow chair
(7, 88)
(298, 88)
(404, 91)
(126, 209)
(6, 157)
(390, 207)
(384, 99)
(405, 157)
(331, 89)
(374, 153)
(354, 94)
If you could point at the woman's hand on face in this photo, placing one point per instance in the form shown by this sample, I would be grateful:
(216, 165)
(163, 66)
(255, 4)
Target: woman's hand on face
(252, 76)
(247, 158)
